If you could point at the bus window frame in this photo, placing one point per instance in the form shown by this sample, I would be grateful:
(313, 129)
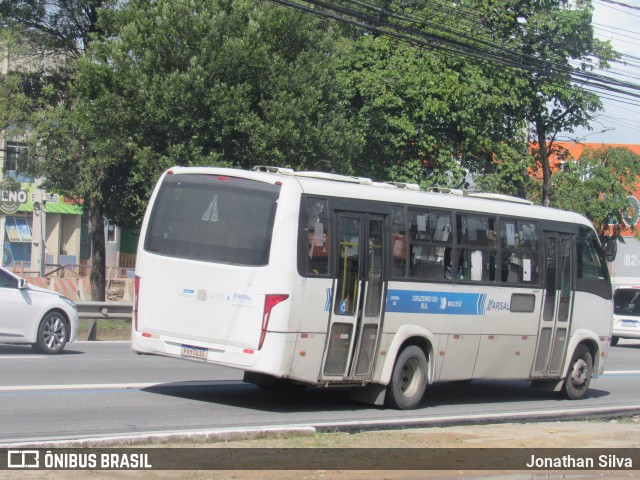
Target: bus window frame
(336, 204)
(456, 246)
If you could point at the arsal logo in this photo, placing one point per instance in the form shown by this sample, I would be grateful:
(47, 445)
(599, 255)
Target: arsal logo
(498, 305)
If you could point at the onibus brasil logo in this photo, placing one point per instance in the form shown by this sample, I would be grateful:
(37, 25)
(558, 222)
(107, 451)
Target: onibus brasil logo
(11, 196)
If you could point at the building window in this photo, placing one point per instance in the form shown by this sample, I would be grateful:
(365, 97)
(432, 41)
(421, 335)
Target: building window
(111, 233)
(17, 246)
(15, 161)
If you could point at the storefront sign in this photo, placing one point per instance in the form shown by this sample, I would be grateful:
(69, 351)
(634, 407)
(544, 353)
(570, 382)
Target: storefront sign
(17, 197)
(11, 196)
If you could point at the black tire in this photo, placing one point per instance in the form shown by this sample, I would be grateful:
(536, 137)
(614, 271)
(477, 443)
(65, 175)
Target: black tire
(408, 380)
(52, 334)
(614, 341)
(576, 384)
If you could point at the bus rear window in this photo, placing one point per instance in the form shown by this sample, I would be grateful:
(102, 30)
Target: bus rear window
(213, 219)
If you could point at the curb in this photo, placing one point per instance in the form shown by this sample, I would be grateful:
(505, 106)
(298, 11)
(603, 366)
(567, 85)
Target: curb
(163, 438)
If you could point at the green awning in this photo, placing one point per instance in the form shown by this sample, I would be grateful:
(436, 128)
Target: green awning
(55, 203)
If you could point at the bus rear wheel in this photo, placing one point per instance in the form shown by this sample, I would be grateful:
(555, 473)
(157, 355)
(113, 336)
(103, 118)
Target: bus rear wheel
(408, 380)
(579, 375)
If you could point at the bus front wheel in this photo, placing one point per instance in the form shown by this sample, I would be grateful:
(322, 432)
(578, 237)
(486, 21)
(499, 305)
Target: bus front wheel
(579, 375)
(408, 380)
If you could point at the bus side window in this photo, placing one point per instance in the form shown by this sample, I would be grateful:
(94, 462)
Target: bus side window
(318, 234)
(476, 255)
(399, 243)
(429, 238)
(519, 258)
(591, 265)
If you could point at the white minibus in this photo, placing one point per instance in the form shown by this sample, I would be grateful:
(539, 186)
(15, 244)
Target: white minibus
(311, 278)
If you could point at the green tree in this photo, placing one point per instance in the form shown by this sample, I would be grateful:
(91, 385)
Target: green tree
(52, 36)
(509, 172)
(550, 38)
(597, 186)
(153, 84)
(14, 106)
(427, 115)
(192, 83)
(213, 82)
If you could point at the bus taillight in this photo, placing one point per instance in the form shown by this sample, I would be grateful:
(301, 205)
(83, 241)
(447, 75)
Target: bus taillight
(270, 301)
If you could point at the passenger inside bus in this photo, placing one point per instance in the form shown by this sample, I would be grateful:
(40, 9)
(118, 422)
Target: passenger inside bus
(318, 250)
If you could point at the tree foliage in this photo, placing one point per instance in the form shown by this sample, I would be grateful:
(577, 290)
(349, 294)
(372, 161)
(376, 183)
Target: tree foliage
(46, 39)
(426, 117)
(58, 27)
(204, 82)
(597, 185)
(552, 37)
(137, 86)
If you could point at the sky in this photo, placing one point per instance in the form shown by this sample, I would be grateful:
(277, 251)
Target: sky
(618, 22)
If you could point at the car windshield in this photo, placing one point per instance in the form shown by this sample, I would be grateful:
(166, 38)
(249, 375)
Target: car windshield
(626, 301)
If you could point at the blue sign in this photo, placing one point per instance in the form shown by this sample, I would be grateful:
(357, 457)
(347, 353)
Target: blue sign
(436, 303)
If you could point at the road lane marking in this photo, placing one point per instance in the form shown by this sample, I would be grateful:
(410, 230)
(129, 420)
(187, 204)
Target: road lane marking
(114, 386)
(21, 357)
(86, 386)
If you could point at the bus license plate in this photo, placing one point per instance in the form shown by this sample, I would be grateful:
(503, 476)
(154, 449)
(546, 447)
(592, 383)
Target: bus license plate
(194, 352)
(629, 323)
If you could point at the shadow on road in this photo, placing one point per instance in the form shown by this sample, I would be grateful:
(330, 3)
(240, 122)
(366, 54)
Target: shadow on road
(319, 399)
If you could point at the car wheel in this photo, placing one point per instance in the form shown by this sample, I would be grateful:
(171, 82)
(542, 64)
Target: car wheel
(614, 341)
(408, 380)
(52, 333)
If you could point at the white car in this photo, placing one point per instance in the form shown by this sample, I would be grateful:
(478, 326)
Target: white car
(36, 316)
(626, 313)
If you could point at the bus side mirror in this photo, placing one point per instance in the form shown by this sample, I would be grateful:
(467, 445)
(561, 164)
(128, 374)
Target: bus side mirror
(610, 249)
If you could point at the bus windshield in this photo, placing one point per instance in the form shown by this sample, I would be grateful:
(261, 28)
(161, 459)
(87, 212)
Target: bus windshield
(213, 218)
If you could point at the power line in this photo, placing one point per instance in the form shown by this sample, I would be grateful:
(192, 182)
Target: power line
(619, 10)
(615, 28)
(431, 33)
(620, 4)
(457, 42)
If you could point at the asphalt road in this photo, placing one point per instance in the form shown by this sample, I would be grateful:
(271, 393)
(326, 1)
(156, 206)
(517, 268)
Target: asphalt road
(102, 389)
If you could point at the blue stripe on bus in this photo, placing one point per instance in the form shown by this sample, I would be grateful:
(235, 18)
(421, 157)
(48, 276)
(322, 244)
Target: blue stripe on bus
(327, 303)
(448, 303)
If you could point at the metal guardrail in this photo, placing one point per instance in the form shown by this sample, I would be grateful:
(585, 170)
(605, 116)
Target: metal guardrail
(105, 310)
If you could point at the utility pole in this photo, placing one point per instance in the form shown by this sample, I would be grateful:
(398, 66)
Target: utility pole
(39, 234)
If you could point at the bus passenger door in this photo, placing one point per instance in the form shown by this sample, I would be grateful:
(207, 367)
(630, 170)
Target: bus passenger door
(557, 304)
(358, 292)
